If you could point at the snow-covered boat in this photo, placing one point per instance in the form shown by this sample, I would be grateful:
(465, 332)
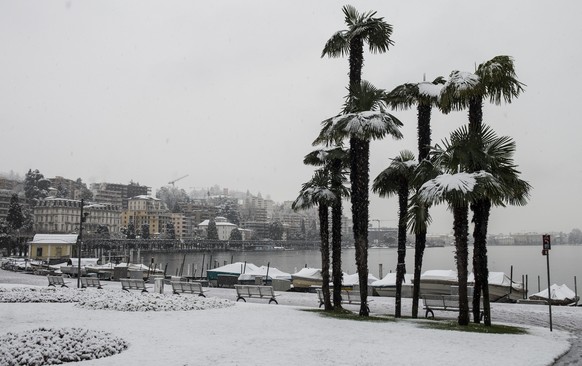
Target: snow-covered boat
(501, 288)
(307, 277)
(560, 295)
(234, 269)
(438, 282)
(354, 280)
(387, 286)
(264, 272)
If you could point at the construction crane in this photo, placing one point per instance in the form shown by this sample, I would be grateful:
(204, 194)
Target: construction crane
(177, 179)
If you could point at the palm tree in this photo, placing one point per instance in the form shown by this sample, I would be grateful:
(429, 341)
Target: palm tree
(395, 180)
(364, 119)
(496, 157)
(494, 79)
(316, 192)
(424, 95)
(335, 160)
(361, 28)
(458, 190)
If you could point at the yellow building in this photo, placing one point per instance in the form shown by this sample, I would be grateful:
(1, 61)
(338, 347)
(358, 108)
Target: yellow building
(52, 246)
(142, 210)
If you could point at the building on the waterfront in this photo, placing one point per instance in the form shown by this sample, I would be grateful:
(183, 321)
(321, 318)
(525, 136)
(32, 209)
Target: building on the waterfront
(5, 196)
(62, 216)
(50, 246)
(222, 226)
(198, 210)
(104, 192)
(184, 226)
(146, 210)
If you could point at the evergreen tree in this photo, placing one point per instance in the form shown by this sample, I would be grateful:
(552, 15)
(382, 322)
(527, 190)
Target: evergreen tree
(130, 231)
(35, 186)
(229, 209)
(276, 230)
(145, 231)
(15, 218)
(212, 230)
(235, 235)
(170, 231)
(103, 231)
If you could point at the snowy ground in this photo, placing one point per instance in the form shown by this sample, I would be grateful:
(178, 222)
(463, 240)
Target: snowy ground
(218, 331)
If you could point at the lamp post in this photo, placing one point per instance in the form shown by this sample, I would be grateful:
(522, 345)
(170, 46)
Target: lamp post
(80, 242)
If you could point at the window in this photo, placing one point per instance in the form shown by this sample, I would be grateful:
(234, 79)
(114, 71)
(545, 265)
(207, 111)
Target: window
(39, 252)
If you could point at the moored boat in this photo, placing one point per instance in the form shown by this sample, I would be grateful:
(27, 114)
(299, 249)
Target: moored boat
(560, 295)
(307, 277)
(387, 286)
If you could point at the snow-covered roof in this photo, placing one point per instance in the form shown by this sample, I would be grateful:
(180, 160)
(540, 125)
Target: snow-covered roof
(54, 239)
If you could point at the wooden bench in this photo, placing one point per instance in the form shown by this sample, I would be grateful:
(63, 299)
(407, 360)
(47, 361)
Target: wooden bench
(56, 281)
(90, 282)
(189, 287)
(445, 303)
(351, 297)
(132, 284)
(263, 292)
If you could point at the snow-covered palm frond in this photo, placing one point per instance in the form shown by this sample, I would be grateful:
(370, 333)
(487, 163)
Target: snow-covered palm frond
(367, 125)
(400, 170)
(430, 90)
(499, 79)
(457, 91)
(338, 45)
(316, 191)
(457, 189)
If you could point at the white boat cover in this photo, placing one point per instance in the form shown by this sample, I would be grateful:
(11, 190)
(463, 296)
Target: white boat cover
(559, 293)
(390, 280)
(351, 280)
(235, 268)
(274, 273)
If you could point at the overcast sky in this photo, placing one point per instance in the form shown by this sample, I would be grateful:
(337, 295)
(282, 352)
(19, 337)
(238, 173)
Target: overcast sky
(233, 92)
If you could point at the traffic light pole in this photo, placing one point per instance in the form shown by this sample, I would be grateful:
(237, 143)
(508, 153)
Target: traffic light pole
(549, 289)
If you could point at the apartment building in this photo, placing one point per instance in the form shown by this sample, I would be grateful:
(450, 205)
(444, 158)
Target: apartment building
(105, 192)
(142, 210)
(62, 216)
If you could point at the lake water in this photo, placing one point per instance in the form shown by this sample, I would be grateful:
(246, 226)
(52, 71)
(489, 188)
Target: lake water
(565, 261)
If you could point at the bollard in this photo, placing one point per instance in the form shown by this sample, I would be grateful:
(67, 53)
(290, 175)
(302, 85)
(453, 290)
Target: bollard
(159, 285)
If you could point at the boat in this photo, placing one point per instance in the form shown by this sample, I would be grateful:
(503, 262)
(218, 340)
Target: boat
(502, 288)
(386, 287)
(307, 277)
(561, 295)
(233, 269)
(438, 282)
(266, 273)
(353, 281)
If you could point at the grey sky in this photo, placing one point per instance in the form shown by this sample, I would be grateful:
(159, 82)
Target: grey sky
(233, 93)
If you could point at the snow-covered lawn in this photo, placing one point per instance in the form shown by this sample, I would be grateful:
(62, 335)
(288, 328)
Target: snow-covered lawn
(217, 331)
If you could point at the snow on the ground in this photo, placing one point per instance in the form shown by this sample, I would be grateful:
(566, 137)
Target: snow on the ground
(256, 333)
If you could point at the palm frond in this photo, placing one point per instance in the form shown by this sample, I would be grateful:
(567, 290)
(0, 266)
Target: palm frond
(500, 80)
(338, 45)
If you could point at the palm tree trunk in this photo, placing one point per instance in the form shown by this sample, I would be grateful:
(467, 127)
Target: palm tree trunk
(424, 132)
(461, 231)
(401, 266)
(419, 246)
(481, 210)
(324, 235)
(475, 115)
(356, 61)
(359, 176)
(336, 235)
